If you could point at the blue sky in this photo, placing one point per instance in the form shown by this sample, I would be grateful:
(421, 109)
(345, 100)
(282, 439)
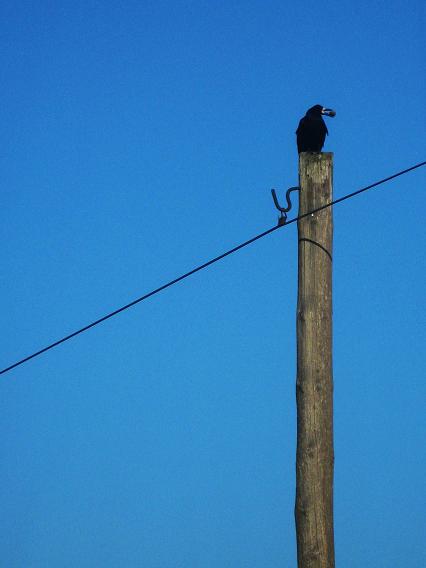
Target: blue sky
(140, 139)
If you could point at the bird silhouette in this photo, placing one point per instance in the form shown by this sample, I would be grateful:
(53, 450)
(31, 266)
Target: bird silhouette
(312, 129)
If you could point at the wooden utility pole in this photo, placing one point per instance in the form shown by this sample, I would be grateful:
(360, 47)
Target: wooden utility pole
(314, 385)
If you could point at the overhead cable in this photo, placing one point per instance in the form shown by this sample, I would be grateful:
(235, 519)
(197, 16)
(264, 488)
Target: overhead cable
(202, 266)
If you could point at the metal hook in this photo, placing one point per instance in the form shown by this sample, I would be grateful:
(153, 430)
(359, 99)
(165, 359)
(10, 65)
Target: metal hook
(283, 210)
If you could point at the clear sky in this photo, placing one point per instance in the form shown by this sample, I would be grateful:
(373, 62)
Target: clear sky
(139, 139)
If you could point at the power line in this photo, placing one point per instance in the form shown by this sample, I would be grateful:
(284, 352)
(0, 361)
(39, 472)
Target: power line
(202, 266)
(141, 299)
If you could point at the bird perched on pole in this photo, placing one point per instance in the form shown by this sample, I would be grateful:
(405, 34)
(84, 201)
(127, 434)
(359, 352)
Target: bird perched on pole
(312, 130)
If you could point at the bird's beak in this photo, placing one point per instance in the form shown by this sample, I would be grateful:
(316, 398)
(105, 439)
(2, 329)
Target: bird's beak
(328, 112)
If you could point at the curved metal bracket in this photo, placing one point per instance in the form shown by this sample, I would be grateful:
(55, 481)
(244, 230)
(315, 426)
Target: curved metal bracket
(283, 210)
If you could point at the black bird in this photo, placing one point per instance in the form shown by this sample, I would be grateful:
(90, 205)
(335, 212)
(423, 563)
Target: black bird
(312, 130)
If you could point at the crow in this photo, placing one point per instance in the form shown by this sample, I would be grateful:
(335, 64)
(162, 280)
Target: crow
(312, 130)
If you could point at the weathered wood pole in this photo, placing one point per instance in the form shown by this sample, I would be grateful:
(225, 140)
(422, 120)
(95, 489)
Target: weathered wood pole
(314, 385)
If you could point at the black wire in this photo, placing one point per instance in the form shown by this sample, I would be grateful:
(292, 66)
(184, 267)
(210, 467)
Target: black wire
(201, 267)
(349, 195)
(144, 297)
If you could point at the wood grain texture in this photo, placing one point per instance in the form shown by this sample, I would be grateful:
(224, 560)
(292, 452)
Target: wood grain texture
(314, 385)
